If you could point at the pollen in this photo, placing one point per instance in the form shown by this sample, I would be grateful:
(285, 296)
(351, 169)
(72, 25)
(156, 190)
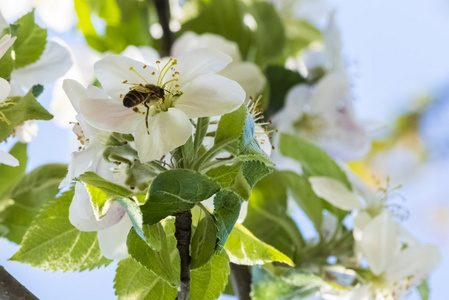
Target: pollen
(125, 81)
(152, 73)
(158, 62)
(144, 66)
(121, 95)
(131, 68)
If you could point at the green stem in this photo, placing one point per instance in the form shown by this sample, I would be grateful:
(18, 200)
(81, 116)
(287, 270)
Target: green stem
(217, 148)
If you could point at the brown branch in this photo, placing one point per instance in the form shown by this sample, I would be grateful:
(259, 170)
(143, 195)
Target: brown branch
(163, 14)
(11, 289)
(183, 233)
(241, 281)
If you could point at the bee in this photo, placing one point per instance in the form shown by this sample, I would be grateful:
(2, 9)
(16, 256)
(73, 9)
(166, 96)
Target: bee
(143, 94)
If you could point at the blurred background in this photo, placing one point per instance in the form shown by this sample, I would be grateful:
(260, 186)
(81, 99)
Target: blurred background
(397, 56)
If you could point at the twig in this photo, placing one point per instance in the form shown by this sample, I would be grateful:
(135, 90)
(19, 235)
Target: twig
(183, 225)
(241, 281)
(11, 289)
(163, 14)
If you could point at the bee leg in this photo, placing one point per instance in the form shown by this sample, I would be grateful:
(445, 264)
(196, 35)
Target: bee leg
(146, 115)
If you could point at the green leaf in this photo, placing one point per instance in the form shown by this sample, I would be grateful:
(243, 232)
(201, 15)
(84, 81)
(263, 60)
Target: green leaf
(268, 218)
(240, 177)
(269, 36)
(280, 80)
(30, 42)
(13, 174)
(17, 110)
(244, 248)
(109, 188)
(423, 290)
(53, 244)
(204, 240)
(230, 126)
(302, 192)
(164, 263)
(201, 129)
(6, 64)
(300, 34)
(134, 282)
(126, 24)
(134, 213)
(102, 192)
(37, 90)
(224, 18)
(282, 283)
(33, 191)
(211, 279)
(226, 212)
(175, 191)
(314, 160)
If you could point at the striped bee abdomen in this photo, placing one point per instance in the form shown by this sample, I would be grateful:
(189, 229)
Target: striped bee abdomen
(134, 98)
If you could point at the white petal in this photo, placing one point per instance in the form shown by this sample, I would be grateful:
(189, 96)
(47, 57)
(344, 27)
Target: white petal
(75, 92)
(380, 242)
(248, 75)
(81, 214)
(8, 159)
(332, 42)
(199, 62)
(5, 88)
(168, 130)
(190, 41)
(243, 212)
(6, 42)
(417, 261)
(112, 240)
(146, 55)
(344, 137)
(335, 193)
(112, 70)
(109, 115)
(295, 101)
(361, 219)
(80, 162)
(53, 63)
(27, 131)
(210, 95)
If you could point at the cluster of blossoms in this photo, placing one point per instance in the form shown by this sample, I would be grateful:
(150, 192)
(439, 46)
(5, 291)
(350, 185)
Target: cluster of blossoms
(323, 113)
(191, 88)
(397, 260)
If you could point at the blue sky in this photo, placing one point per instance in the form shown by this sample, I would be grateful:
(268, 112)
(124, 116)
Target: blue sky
(396, 50)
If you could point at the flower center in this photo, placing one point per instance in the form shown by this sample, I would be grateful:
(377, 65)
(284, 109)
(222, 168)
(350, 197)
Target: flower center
(310, 126)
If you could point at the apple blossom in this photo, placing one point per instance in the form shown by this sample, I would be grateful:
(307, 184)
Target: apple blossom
(247, 74)
(398, 261)
(324, 115)
(191, 90)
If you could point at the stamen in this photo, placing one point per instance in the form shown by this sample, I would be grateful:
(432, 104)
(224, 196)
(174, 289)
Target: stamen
(138, 74)
(144, 66)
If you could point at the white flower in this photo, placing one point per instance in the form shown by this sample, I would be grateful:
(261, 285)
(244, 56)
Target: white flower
(190, 90)
(27, 131)
(324, 115)
(367, 202)
(93, 141)
(398, 261)
(54, 62)
(247, 74)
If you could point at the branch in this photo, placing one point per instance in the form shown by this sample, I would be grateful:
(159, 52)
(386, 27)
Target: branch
(183, 233)
(241, 281)
(163, 14)
(11, 289)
